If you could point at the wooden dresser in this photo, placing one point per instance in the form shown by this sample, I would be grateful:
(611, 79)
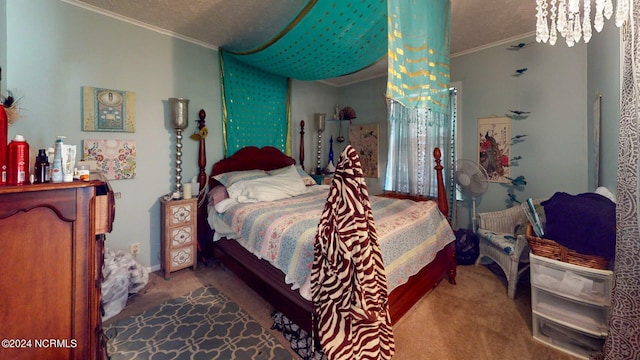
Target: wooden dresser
(51, 249)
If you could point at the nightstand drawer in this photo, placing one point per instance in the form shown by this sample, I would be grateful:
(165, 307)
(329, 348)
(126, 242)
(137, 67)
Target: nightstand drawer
(182, 213)
(182, 235)
(181, 257)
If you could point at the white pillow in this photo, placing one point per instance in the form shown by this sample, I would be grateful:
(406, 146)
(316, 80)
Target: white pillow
(306, 178)
(286, 183)
(229, 178)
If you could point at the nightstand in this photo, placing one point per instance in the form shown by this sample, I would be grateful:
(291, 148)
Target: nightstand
(179, 245)
(324, 179)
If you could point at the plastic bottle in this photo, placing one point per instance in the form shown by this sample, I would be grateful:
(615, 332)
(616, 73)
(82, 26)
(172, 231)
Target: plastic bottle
(42, 167)
(18, 161)
(56, 167)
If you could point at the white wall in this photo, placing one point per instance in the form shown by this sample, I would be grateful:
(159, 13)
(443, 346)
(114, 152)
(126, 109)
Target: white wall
(604, 78)
(368, 100)
(307, 99)
(554, 90)
(53, 49)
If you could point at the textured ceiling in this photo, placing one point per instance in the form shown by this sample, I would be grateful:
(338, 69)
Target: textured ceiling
(243, 24)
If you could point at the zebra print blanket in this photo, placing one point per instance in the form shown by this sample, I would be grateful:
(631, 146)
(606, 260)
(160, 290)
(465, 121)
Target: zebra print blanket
(348, 279)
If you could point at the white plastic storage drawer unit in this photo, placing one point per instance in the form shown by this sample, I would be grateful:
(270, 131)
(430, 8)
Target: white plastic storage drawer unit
(576, 282)
(584, 317)
(565, 338)
(570, 305)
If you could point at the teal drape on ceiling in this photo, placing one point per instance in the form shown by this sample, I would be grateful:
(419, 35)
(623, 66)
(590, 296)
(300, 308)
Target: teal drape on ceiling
(255, 107)
(327, 39)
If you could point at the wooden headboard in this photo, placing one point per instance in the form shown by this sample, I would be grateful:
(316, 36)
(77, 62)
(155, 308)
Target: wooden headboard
(251, 158)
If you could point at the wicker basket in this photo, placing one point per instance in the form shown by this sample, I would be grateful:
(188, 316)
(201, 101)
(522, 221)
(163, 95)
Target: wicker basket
(552, 250)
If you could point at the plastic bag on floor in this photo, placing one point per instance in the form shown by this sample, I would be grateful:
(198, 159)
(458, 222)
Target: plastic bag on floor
(122, 275)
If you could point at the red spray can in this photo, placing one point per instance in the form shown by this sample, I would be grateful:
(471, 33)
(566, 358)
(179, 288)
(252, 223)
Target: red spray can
(18, 161)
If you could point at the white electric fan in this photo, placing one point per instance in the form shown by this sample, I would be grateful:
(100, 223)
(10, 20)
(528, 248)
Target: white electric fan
(472, 181)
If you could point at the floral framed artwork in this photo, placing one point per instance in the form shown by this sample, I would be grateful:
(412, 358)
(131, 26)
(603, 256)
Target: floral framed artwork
(108, 110)
(364, 138)
(494, 147)
(115, 158)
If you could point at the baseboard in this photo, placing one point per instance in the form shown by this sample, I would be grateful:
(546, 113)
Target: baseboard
(154, 268)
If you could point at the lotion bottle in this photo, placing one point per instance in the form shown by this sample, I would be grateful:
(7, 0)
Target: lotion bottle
(56, 167)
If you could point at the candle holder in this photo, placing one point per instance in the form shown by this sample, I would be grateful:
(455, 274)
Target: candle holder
(179, 116)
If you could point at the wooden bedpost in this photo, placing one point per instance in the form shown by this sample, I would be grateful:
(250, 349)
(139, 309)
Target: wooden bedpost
(301, 154)
(205, 245)
(202, 153)
(443, 202)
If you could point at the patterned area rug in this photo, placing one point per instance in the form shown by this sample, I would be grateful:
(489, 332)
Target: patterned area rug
(203, 324)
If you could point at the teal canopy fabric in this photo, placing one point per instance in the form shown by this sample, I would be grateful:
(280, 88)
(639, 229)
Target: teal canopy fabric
(255, 107)
(327, 39)
(419, 46)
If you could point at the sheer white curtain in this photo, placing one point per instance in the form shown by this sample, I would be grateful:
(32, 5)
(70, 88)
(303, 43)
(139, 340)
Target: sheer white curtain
(419, 102)
(413, 134)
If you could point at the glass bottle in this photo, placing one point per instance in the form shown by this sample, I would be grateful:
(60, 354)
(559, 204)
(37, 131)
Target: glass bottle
(42, 167)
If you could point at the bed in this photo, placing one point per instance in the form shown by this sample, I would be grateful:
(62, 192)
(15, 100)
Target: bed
(256, 263)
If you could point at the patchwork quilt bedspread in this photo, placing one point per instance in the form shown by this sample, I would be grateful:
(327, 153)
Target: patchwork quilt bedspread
(283, 231)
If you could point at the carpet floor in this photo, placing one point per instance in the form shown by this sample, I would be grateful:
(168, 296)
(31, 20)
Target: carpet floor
(471, 320)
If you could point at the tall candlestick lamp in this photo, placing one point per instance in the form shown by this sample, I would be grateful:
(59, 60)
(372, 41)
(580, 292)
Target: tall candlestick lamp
(179, 116)
(319, 120)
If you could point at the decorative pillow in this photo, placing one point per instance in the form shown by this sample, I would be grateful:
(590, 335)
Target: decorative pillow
(229, 178)
(217, 194)
(506, 242)
(306, 178)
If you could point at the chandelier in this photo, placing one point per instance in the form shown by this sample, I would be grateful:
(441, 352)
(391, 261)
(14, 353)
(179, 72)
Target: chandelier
(572, 18)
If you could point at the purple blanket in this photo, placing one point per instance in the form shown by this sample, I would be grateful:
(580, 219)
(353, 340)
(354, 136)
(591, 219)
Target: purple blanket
(585, 223)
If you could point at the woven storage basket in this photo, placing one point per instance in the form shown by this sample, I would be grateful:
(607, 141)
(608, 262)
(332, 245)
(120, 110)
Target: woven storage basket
(552, 250)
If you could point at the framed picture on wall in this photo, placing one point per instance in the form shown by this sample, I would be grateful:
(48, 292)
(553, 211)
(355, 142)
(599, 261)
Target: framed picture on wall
(494, 147)
(364, 138)
(108, 110)
(115, 158)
